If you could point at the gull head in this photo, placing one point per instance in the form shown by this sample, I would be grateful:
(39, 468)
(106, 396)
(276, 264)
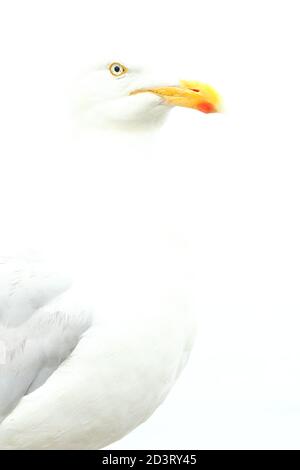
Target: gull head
(117, 95)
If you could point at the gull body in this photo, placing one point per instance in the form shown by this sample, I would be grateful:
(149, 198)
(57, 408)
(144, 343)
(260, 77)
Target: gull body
(83, 362)
(94, 375)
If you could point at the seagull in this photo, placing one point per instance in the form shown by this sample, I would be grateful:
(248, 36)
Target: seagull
(73, 374)
(130, 98)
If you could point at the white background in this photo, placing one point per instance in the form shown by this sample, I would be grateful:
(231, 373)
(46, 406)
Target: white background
(241, 388)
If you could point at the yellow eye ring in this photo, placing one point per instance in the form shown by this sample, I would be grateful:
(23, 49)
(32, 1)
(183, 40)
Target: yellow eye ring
(117, 69)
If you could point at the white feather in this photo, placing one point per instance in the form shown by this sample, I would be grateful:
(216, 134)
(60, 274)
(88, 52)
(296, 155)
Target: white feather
(84, 363)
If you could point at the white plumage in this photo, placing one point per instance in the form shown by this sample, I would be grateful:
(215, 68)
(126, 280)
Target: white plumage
(82, 379)
(83, 362)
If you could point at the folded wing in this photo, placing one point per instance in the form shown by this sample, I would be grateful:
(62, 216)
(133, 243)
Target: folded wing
(41, 322)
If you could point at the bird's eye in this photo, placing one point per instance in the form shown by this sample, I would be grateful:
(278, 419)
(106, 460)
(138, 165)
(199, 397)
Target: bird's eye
(117, 69)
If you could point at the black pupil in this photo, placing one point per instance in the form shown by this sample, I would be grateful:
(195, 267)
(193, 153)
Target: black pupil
(117, 69)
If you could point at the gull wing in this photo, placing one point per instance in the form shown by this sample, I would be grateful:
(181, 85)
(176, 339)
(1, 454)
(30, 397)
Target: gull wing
(41, 322)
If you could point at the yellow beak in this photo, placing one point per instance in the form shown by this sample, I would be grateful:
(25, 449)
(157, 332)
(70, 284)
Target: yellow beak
(188, 94)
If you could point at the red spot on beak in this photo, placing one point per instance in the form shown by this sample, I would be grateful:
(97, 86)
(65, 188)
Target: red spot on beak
(206, 107)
